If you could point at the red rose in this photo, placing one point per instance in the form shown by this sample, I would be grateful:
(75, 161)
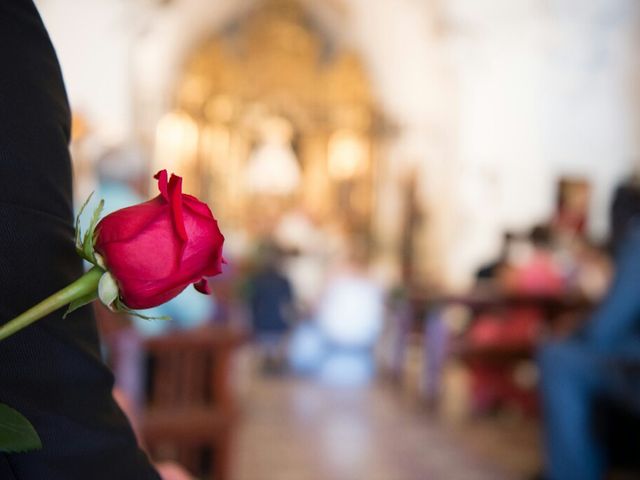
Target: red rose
(154, 250)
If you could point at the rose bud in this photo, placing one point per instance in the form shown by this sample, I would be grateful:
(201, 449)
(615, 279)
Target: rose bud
(154, 250)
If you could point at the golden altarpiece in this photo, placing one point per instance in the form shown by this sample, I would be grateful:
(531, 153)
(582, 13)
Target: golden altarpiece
(271, 115)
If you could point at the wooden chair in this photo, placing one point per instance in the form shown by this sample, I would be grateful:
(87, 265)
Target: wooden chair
(189, 412)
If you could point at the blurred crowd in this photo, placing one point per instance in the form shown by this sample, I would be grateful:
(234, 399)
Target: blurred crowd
(584, 381)
(307, 294)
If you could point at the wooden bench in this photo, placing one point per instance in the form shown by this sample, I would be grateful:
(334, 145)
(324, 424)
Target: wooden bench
(189, 411)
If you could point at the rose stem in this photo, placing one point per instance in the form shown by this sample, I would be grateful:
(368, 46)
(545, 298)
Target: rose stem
(81, 287)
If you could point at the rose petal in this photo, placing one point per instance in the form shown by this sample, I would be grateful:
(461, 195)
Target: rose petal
(214, 265)
(161, 176)
(153, 254)
(175, 199)
(196, 206)
(129, 222)
(203, 286)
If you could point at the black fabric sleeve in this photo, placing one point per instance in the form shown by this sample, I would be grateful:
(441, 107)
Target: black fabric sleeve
(52, 371)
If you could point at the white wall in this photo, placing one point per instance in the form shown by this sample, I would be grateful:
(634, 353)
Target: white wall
(544, 89)
(92, 39)
(591, 101)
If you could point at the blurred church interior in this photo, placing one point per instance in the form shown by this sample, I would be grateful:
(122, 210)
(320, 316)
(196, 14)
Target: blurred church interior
(414, 193)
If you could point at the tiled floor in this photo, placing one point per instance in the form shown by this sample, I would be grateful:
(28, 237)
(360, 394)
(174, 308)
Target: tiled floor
(300, 430)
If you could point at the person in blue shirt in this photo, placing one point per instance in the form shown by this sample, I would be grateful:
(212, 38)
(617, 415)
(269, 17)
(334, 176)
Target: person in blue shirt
(591, 367)
(270, 299)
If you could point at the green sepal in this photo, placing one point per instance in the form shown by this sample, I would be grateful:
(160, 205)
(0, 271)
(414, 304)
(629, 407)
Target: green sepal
(164, 318)
(84, 243)
(108, 289)
(78, 234)
(80, 302)
(16, 432)
(119, 306)
(87, 243)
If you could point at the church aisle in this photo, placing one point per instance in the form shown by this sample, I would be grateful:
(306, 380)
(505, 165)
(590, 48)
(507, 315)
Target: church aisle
(296, 429)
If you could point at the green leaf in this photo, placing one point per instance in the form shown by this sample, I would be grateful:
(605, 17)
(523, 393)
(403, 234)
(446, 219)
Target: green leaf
(80, 302)
(87, 243)
(16, 432)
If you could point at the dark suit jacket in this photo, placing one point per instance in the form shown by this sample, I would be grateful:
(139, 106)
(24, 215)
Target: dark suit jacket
(52, 371)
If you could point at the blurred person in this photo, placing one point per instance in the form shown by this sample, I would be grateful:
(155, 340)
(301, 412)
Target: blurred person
(491, 269)
(270, 299)
(350, 318)
(587, 370)
(624, 209)
(119, 172)
(572, 207)
(539, 274)
(528, 269)
(306, 350)
(590, 269)
(52, 372)
(535, 270)
(310, 250)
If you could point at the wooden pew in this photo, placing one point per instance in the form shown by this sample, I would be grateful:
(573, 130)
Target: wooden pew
(558, 313)
(189, 411)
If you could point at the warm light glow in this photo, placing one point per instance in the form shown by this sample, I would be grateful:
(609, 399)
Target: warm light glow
(348, 155)
(215, 145)
(176, 141)
(273, 169)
